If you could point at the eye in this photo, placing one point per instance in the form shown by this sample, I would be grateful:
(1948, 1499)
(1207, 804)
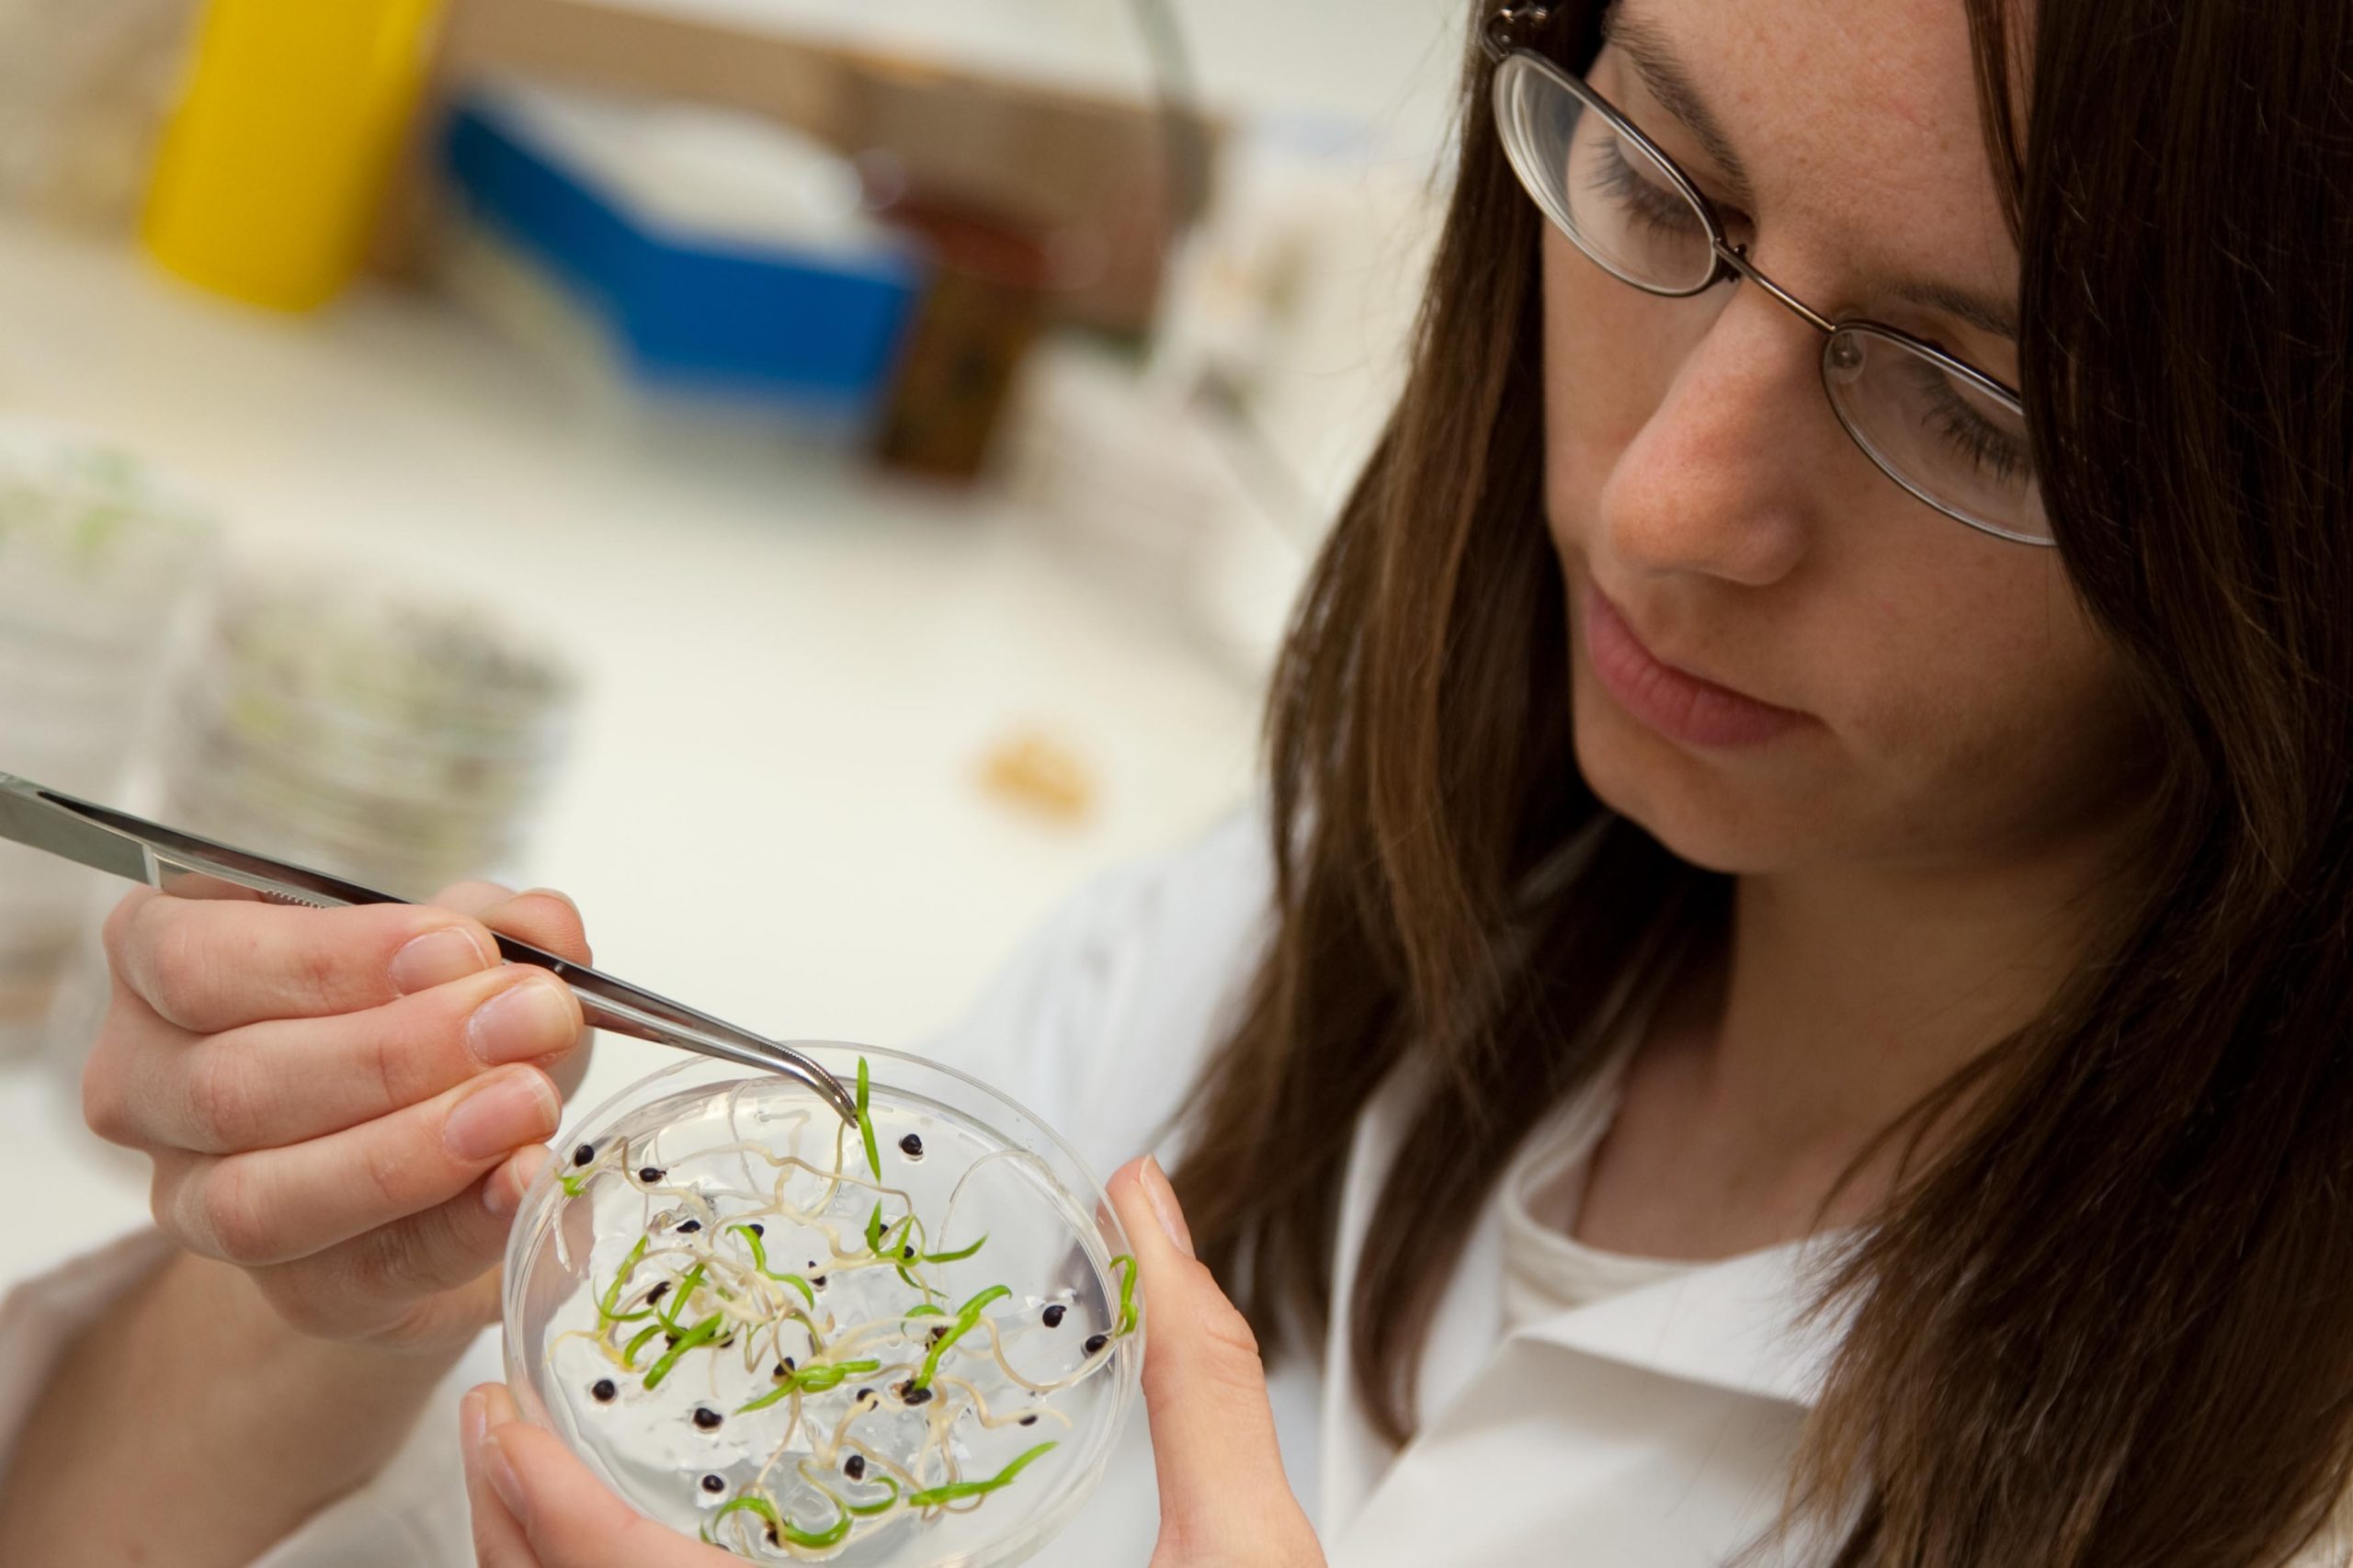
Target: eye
(1988, 448)
(1637, 197)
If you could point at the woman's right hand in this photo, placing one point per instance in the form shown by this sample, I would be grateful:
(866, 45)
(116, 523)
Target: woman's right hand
(346, 1104)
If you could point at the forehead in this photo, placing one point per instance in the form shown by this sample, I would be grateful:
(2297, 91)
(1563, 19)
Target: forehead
(1857, 121)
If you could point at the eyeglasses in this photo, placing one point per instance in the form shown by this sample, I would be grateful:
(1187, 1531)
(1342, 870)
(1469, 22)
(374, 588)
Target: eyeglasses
(1947, 432)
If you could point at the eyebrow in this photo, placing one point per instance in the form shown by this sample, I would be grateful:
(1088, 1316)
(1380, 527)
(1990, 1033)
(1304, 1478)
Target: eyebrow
(1662, 72)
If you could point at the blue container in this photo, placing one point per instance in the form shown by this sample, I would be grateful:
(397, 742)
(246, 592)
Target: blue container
(817, 331)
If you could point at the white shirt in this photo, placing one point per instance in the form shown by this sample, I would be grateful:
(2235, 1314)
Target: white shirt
(1645, 1419)
(1547, 1271)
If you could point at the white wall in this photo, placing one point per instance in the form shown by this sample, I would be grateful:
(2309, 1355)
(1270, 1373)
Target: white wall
(1389, 62)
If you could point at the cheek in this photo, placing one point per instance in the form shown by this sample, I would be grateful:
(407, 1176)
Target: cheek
(1972, 701)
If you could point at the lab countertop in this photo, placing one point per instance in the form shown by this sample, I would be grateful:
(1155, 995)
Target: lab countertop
(792, 668)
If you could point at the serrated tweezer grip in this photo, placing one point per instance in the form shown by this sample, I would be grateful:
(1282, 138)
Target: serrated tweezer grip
(170, 859)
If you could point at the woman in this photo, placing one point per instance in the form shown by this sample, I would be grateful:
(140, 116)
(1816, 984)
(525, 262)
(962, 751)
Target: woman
(1794, 997)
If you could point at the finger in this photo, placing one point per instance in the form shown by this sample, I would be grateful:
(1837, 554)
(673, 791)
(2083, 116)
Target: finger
(541, 916)
(394, 1284)
(274, 1205)
(208, 965)
(568, 1517)
(285, 1081)
(499, 1541)
(1222, 1493)
(545, 919)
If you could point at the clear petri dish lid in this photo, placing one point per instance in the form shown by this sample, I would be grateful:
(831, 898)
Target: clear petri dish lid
(764, 1329)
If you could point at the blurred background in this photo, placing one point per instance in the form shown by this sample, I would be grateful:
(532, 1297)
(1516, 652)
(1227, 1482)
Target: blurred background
(813, 480)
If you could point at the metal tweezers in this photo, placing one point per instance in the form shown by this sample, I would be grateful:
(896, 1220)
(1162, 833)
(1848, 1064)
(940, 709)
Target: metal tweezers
(172, 860)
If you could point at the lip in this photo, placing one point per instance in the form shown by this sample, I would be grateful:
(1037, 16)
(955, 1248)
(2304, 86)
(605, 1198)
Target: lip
(1677, 703)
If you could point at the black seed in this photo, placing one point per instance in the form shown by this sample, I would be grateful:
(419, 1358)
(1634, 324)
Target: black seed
(1028, 1421)
(818, 1283)
(861, 1396)
(1053, 1315)
(914, 1395)
(714, 1483)
(855, 1467)
(1095, 1342)
(649, 1174)
(784, 1368)
(910, 1146)
(757, 1229)
(937, 1335)
(583, 1154)
(689, 1227)
(602, 1390)
(657, 1292)
(706, 1418)
(908, 1250)
(774, 1539)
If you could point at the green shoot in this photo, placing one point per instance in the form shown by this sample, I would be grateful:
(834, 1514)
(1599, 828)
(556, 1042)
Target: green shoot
(966, 1316)
(866, 1128)
(1127, 1267)
(701, 1333)
(931, 1497)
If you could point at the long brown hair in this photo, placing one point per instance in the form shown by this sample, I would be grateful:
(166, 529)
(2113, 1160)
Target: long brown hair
(2110, 1322)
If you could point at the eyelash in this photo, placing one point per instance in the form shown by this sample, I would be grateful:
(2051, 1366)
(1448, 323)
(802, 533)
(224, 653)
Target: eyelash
(1982, 445)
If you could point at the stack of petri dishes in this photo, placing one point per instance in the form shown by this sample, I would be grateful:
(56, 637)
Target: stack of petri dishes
(398, 739)
(103, 563)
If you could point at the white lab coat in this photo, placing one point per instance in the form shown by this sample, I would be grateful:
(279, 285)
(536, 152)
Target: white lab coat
(1651, 1430)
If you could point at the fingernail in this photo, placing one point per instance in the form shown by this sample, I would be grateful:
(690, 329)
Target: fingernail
(505, 1111)
(436, 959)
(500, 1472)
(502, 1193)
(1163, 1198)
(473, 1418)
(526, 1021)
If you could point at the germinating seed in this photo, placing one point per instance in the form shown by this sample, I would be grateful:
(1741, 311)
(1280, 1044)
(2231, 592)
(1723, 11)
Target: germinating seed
(910, 1146)
(708, 1418)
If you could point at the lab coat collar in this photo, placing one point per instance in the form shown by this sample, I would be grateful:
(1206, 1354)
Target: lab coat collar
(1738, 1324)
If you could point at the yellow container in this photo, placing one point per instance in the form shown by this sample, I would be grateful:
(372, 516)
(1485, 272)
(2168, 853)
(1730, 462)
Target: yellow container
(268, 179)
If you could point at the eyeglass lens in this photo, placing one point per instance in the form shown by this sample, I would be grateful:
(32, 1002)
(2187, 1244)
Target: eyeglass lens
(1951, 441)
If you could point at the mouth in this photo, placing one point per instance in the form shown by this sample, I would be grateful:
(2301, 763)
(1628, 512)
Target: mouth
(1681, 706)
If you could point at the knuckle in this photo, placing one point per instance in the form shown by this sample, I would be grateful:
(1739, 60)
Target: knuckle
(237, 1216)
(296, 1295)
(384, 1171)
(122, 921)
(224, 1099)
(421, 1256)
(105, 1100)
(175, 976)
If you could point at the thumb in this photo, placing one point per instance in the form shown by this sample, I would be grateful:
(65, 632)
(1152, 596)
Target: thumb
(538, 1506)
(1223, 1498)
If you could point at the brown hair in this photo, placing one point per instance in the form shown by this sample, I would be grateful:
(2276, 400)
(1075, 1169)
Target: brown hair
(2111, 1320)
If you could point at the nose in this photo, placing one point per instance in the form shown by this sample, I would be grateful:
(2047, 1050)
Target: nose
(1722, 479)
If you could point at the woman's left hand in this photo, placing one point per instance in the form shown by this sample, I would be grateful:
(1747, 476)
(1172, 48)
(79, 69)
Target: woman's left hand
(1223, 1501)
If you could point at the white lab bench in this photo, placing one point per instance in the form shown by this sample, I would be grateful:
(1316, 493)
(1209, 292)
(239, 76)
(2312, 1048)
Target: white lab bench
(792, 669)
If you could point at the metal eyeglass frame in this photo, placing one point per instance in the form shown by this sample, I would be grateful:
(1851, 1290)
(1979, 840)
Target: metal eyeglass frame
(1499, 37)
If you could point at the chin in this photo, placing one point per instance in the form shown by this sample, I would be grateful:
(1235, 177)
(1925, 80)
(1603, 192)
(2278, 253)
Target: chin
(1716, 819)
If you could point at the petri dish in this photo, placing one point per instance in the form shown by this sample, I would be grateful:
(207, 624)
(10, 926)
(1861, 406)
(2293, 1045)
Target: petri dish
(755, 1337)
